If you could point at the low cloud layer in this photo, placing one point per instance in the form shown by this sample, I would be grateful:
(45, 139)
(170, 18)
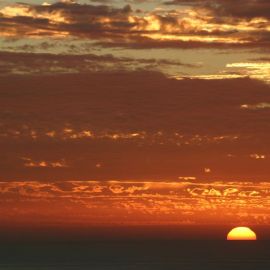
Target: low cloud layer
(114, 203)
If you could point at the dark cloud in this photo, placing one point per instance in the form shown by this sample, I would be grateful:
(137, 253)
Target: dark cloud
(262, 59)
(148, 43)
(80, 12)
(44, 63)
(154, 127)
(238, 9)
(72, 18)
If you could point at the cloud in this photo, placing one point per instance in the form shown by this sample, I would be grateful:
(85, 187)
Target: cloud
(69, 203)
(259, 106)
(62, 19)
(196, 26)
(44, 63)
(230, 8)
(28, 162)
(152, 124)
(257, 70)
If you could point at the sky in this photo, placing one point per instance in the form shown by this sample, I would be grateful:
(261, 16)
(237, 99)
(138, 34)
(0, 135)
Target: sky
(134, 112)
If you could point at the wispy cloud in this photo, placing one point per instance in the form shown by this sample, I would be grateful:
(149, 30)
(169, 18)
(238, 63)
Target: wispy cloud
(44, 63)
(131, 202)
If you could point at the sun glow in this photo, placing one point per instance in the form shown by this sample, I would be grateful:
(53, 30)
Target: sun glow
(241, 233)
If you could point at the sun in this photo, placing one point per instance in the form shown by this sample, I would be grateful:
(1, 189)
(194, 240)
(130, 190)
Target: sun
(241, 233)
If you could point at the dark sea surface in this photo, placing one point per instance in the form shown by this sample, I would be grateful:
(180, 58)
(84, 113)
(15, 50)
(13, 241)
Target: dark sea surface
(143, 255)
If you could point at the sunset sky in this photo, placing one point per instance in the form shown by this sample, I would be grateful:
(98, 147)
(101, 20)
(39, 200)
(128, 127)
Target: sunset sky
(134, 112)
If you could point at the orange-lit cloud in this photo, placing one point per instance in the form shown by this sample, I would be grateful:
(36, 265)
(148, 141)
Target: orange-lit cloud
(194, 25)
(131, 202)
(28, 162)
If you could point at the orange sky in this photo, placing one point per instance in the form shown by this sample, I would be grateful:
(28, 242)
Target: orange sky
(134, 113)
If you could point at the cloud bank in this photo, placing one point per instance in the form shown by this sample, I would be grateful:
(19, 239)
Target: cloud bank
(199, 24)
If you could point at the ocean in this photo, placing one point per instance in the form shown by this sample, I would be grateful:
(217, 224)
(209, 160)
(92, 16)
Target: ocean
(136, 255)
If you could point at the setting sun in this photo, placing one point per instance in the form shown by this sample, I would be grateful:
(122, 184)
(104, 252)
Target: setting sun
(241, 233)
